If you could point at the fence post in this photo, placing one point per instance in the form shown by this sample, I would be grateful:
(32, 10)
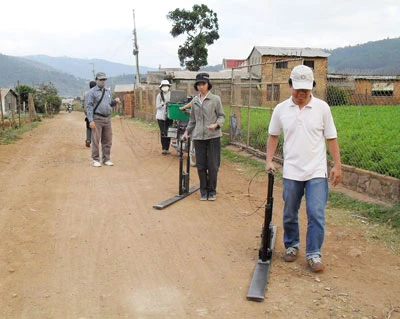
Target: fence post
(236, 101)
(31, 106)
(248, 109)
(2, 114)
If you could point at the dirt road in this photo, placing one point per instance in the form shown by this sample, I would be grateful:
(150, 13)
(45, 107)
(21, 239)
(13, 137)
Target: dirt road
(85, 242)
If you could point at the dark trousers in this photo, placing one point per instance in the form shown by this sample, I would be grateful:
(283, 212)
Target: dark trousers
(208, 160)
(165, 140)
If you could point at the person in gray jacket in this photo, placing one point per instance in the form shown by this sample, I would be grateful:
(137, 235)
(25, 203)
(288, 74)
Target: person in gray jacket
(88, 140)
(206, 119)
(98, 112)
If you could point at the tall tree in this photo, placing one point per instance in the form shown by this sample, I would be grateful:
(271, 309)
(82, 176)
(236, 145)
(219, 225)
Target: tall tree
(23, 90)
(201, 27)
(47, 99)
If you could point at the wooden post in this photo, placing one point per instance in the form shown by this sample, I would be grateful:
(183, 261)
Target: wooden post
(2, 114)
(248, 110)
(31, 106)
(19, 106)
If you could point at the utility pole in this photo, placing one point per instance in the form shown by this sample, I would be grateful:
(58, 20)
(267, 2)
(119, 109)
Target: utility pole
(94, 73)
(19, 105)
(136, 50)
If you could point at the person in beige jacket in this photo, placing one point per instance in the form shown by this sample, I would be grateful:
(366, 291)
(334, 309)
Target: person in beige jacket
(206, 119)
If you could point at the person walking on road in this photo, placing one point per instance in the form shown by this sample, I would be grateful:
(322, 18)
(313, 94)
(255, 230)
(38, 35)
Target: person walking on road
(88, 140)
(98, 112)
(306, 123)
(163, 121)
(206, 119)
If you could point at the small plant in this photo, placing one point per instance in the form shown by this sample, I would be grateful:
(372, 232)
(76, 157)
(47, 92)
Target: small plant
(337, 96)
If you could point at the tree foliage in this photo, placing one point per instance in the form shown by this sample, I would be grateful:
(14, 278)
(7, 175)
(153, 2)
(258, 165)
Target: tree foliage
(23, 91)
(337, 96)
(47, 99)
(201, 27)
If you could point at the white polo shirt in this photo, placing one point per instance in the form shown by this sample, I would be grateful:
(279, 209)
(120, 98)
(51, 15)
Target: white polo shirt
(305, 132)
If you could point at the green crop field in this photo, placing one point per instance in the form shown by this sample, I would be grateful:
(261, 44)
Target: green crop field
(369, 136)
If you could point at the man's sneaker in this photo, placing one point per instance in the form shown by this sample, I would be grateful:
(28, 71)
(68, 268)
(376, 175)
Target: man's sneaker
(290, 254)
(108, 163)
(203, 197)
(87, 143)
(96, 164)
(164, 152)
(212, 197)
(315, 264)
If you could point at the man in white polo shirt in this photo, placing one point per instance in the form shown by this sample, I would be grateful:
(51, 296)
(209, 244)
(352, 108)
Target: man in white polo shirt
(306, 123)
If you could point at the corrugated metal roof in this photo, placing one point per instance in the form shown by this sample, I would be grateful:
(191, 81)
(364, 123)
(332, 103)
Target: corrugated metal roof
(124, 88)
(232, 63)
(291, 52)
(363, 77)
(221, 75)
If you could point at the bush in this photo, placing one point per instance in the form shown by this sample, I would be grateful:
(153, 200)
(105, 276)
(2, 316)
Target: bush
(337, 96)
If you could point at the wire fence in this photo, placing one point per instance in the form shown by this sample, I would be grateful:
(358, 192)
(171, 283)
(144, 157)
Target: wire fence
(365, 109)
(14, 116)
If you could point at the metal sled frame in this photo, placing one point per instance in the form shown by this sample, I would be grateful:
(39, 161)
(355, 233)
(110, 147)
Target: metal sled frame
(184, 189)
(259, 281)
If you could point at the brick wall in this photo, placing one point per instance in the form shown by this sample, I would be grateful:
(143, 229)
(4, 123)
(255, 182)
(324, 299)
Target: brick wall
(281, 76)
(363, 90)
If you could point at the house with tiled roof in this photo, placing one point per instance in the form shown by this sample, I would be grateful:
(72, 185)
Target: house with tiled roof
(232, 63)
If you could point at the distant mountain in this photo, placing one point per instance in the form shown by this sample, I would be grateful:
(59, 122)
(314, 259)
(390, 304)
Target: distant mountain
(32, 73)
(212, 68)
(372, 58)
(71, 76)
(83, 68)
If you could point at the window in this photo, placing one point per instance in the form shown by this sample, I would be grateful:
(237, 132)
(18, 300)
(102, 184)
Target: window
(382, 89)
(309, 63)
(282, 64)
(273, 96)
(382, 93)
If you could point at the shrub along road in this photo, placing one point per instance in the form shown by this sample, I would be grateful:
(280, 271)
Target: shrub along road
(84, 242)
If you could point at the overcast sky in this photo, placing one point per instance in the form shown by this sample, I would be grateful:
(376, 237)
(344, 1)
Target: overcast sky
(103, 29)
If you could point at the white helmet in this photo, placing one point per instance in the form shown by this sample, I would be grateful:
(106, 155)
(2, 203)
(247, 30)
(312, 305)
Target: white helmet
(165, 82)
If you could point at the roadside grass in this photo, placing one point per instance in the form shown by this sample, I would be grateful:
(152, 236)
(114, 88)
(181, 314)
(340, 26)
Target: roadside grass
(151, 125)
(380, 223)
(11, 135)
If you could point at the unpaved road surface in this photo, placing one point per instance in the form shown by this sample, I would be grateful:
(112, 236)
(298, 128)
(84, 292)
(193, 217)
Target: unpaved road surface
(84, 242)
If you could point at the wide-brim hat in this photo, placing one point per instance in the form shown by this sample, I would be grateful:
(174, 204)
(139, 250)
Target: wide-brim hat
(164, 82)
(202, 78)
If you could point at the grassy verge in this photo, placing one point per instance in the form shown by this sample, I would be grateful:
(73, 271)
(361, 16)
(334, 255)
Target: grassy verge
(10, 135)
(385, 215)
(379, 222)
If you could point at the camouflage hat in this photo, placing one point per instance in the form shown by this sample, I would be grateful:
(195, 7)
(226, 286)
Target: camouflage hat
(101, 76)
